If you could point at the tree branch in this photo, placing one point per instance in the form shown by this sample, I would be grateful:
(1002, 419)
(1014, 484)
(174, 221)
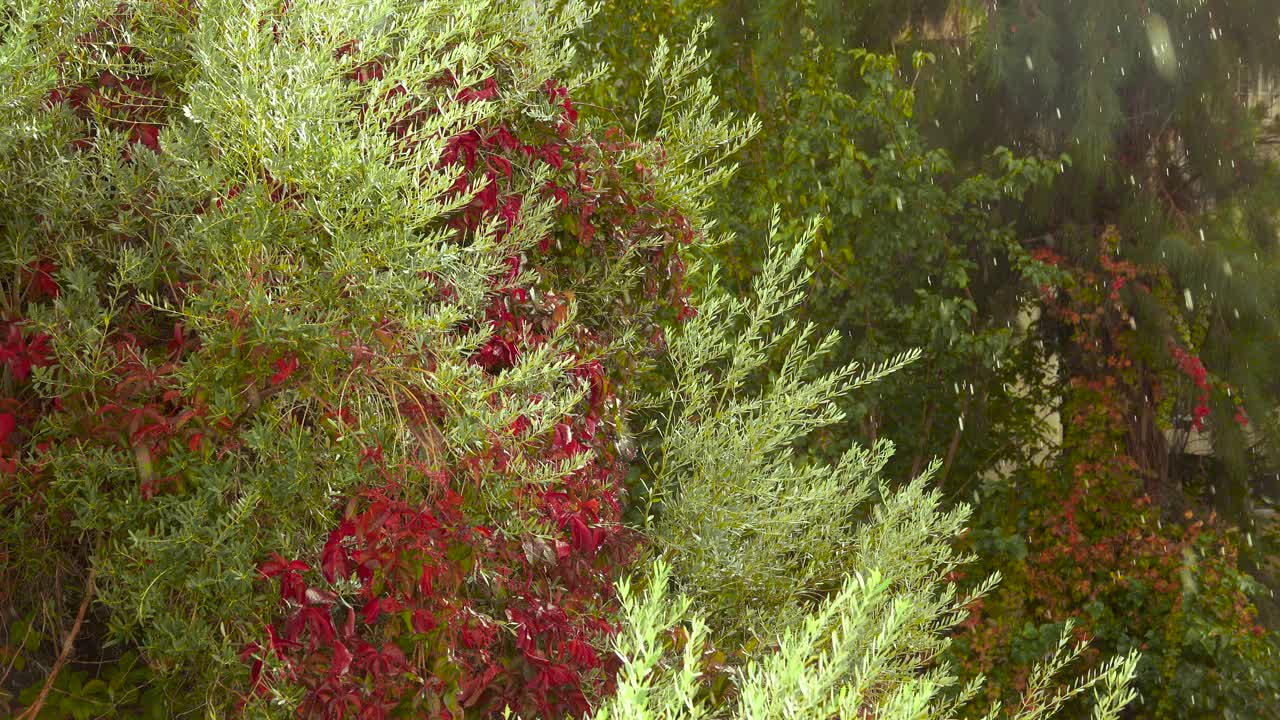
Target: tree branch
(34, 710)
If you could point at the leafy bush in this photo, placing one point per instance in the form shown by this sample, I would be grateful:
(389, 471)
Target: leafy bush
(319, 326)
(1080, 538)
(780, 592)
(920, 249)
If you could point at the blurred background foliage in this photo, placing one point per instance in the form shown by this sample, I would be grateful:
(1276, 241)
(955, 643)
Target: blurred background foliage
(1071, 209)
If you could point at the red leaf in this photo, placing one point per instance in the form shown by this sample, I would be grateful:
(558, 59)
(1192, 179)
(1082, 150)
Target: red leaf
(504, 139)
(488, 197)
(563, 435)
(582, 653)
(334, 560)
(181, 341)
(374, 608)
(293, 587)
(555, 676)
(371, 455)
(423, 621)
(42, 281)
(585, 539)
(277, 643)
(488, 92)
(320, 625)
(22, 354)
(520, 426)
(341, 660)
(146, 134)
(349, 626)
(473, 687)
(426, 581)
(285, 367)
(500, 165)
(250, 650)
(277, 565)
(8, 423)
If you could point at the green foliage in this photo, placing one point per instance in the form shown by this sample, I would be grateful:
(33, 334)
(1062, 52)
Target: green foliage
(1079, 537)
(266, 278)
(121, 687)
(912, 254)
(1151, 104)
(278, 273)
(739, 539)
(914, 251)
(847, 605)
(1072, 545)
(842, 661)
(1175, 160)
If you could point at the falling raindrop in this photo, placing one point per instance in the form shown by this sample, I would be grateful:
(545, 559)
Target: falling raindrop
(1161, 41)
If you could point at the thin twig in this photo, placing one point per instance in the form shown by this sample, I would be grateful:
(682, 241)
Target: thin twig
(917, 464)
(955, 444)
(14, 659)
(34, 710)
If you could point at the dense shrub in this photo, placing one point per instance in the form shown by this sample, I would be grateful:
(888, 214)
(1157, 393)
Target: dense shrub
(1079, 537)
(783, 589)
(318, 333)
